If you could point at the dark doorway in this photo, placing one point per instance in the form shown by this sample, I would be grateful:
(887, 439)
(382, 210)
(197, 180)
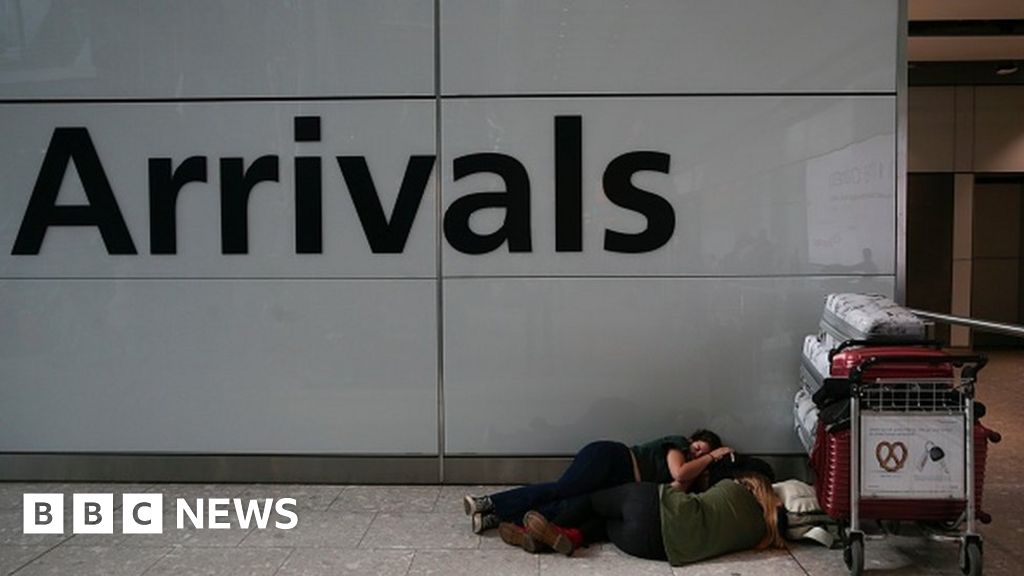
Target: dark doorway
(930, 245)
(997, 271)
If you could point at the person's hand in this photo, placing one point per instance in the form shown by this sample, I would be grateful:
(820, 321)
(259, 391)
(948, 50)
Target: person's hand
(719, 453)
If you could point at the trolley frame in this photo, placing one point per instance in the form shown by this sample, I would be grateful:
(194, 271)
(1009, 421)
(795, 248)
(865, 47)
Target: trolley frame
(860, 390)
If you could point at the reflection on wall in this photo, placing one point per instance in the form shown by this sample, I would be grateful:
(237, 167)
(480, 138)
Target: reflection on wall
(737, 182)
(847, 191)
(44, 41)
(201, 48)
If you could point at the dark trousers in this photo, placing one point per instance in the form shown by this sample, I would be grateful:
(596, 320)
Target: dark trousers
(628, 515)
(597, 465)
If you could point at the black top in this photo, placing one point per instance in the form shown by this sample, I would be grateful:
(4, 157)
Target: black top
(651, 457)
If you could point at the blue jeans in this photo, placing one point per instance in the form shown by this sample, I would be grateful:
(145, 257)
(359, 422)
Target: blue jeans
(597, 465)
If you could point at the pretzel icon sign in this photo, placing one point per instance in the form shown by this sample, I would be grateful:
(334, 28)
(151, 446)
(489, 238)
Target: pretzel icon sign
(891, 456)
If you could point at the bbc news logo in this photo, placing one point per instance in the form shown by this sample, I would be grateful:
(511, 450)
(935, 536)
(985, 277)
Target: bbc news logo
(144, 513)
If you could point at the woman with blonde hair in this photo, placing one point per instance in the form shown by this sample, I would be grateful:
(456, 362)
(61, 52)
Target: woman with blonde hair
(659, 522)
(770, 504)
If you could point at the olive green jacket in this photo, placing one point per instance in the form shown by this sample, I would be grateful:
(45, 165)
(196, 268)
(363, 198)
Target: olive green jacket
(725, 518)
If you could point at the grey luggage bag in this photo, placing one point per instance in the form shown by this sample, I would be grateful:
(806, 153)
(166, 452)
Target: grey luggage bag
(805, 419)
(814, 361)
(869, 317)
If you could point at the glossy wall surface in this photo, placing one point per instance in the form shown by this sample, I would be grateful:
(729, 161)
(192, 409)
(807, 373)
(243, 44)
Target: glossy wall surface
(779, 127)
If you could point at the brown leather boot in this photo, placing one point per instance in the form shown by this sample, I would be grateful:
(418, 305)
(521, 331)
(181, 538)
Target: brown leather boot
(518, 536)
(558, 538)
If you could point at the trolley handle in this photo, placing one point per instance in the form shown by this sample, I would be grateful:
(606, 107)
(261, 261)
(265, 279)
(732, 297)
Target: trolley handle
(882, 342)
(972, 364)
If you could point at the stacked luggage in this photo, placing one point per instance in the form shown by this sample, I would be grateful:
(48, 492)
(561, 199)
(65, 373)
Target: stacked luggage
(846, 319)
(878, 339)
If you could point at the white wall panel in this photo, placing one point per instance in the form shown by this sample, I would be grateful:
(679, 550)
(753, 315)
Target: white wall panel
(219, 366)
(126, 136)
(543, 366)
(778, 117)
(645, 46)
(216, 48)
(759, 185)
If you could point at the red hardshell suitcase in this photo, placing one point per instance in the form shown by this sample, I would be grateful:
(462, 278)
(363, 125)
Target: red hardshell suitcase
(831, 463)
(848, 358)
(831, 456)
(850, 354)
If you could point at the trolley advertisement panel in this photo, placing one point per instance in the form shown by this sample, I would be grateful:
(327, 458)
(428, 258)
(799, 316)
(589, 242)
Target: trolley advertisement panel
(912, 456)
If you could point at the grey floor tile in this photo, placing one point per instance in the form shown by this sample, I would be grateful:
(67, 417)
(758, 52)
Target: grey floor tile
(14, 557)
(119, 538)
(601, 562)
(115, 539)
(818, 560)
(205, 538)
(315, 497)
(229, 562)
(116, 488)
(190, 492)
(12, 529)
(387, 499)
(321, 561)
(420, 530)
(474, 563)
(489, 540)
(911, 555)
(315, 530)
(750, 563)
(94, 561)
(905, 556)
(192, 537)
(188, 535)
(450, 499)
(12, 494)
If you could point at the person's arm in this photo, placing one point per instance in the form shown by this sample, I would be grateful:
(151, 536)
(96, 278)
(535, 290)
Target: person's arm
(685, 472)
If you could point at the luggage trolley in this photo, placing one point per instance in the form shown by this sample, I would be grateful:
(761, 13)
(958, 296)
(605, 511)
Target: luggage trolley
(912, 452)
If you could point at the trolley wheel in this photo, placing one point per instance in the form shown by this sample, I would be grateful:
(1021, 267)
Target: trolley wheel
(970, 556)
(853, 554)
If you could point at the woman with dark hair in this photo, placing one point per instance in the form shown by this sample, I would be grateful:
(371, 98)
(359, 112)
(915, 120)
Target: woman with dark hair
(672, 459)
(660, 522)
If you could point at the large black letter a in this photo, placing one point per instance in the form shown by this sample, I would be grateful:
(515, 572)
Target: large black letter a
(69, 144)
(515, 200)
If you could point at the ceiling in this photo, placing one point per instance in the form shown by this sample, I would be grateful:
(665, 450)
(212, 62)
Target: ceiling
(965, 9)
(965, 41)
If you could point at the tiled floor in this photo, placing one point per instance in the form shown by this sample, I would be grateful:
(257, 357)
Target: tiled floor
(421, 530)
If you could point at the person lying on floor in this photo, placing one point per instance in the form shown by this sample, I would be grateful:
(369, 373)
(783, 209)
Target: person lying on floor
(660, 522)
(603, 464)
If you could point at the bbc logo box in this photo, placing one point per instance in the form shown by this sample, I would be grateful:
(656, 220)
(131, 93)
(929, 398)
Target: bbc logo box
(93, 514)
(143, 513)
